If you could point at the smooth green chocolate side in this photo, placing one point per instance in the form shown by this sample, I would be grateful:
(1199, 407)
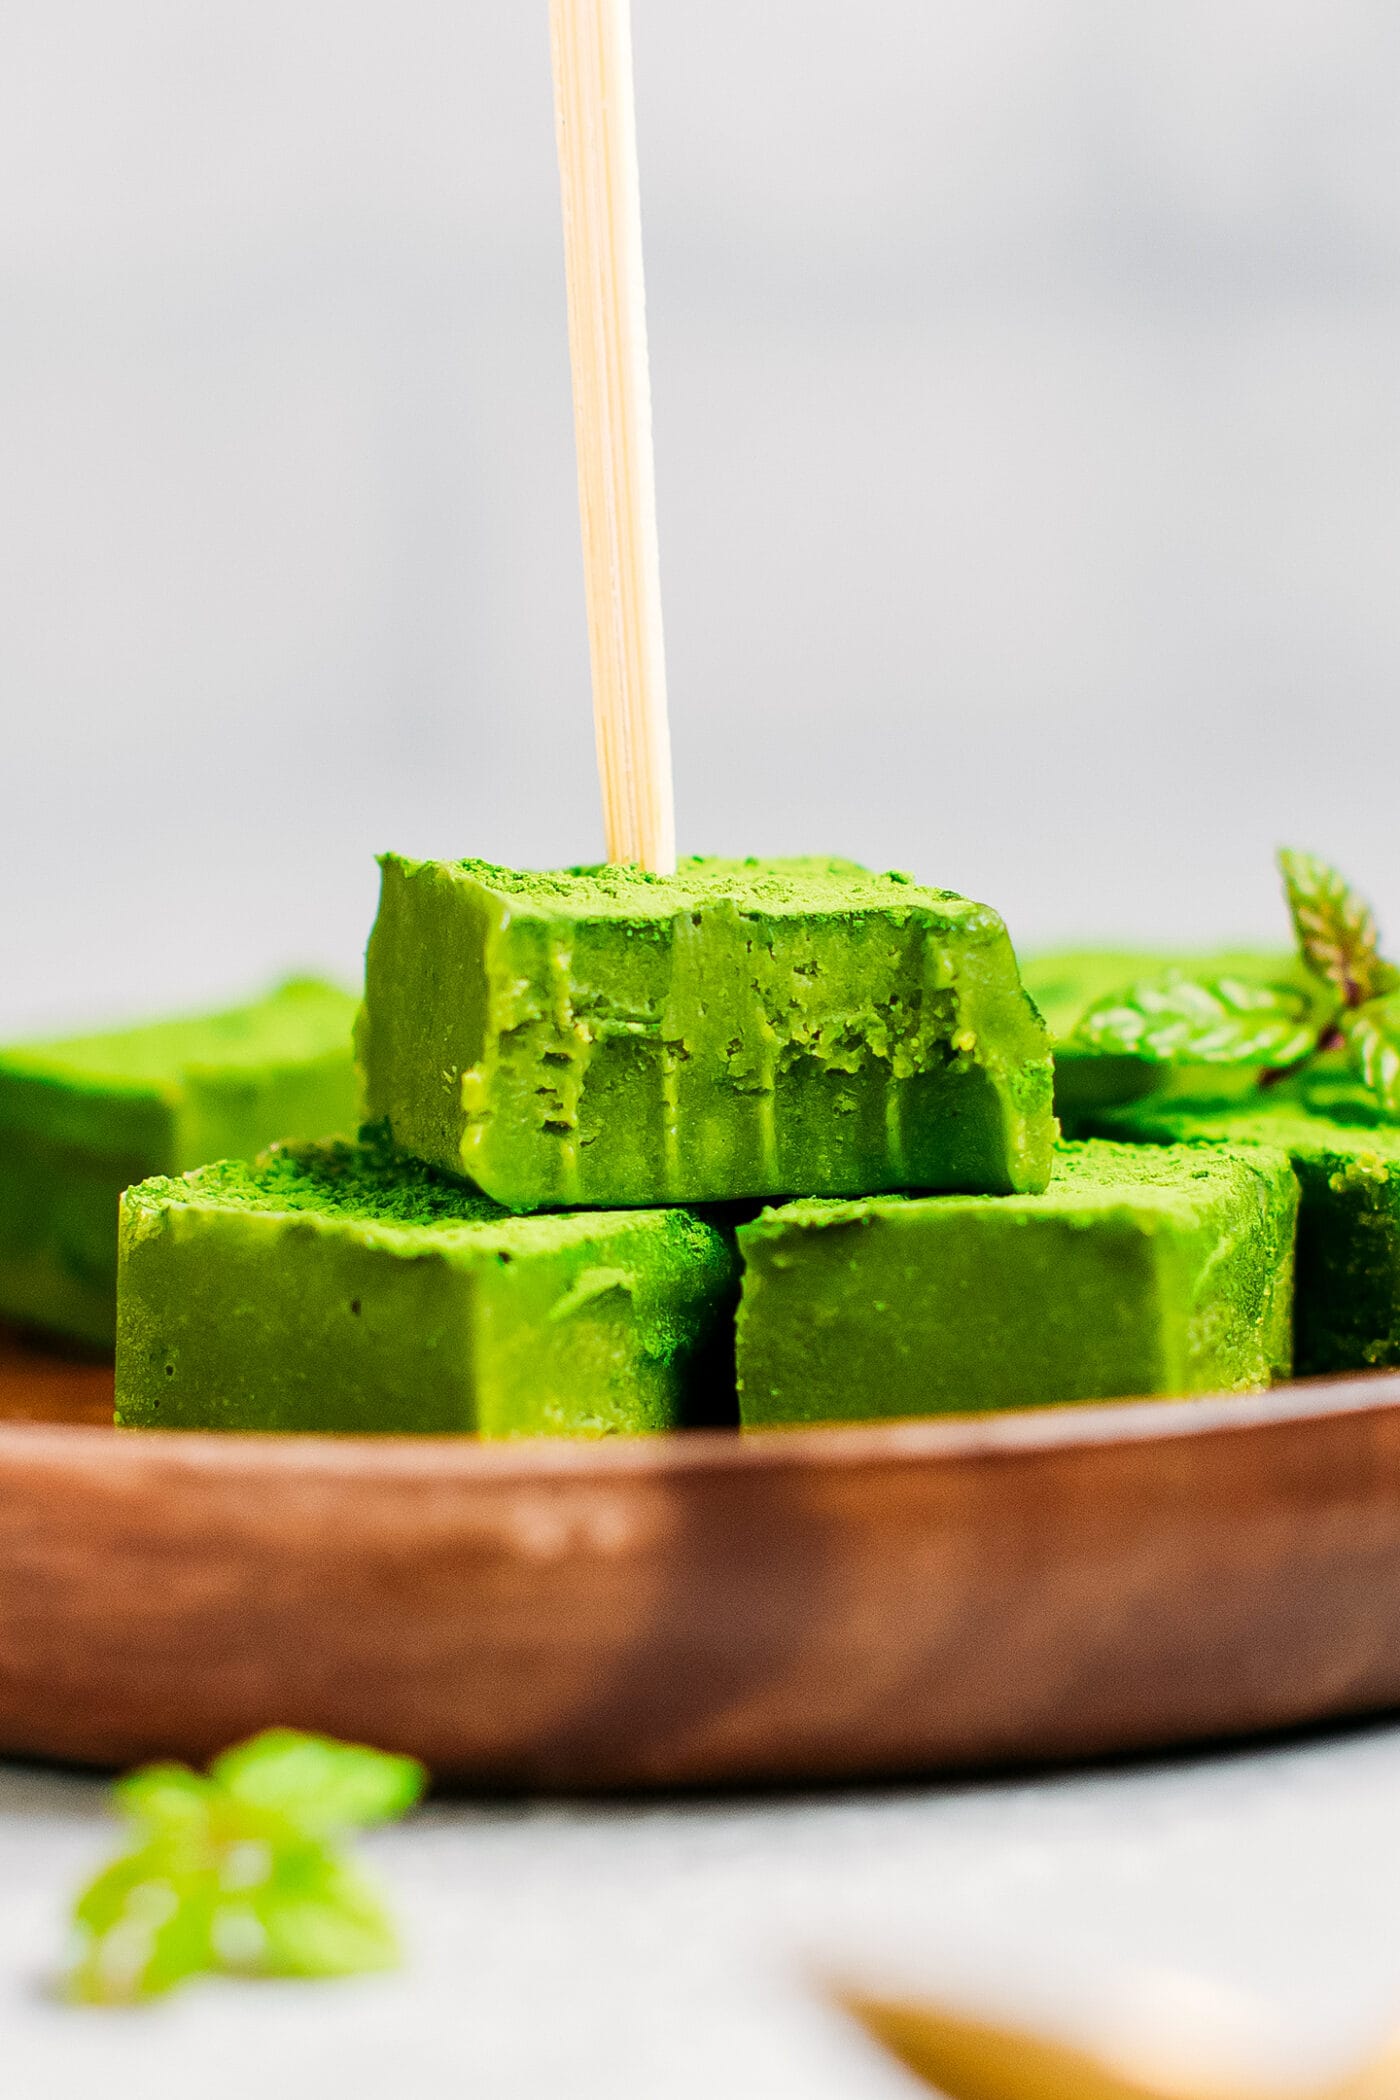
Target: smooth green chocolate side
(1347, 1159)
(742, 1029)
(1064, 984)
(83, 1118)
(335, 1287)
(1137, 1272)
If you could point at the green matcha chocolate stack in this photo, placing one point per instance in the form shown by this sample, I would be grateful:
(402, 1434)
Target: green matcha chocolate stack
(608, 1045)
(82, 1118)
(1066, 984)
(1346, 1154)
(336, 1287)
(1136, 1272)
(740, 1029)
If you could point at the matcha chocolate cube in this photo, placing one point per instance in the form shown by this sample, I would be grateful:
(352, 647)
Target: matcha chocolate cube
(740, 1029)
(337, 1287)
(1136, 1272)
(1346, 1155)
(1066, 984)
(82, 1118)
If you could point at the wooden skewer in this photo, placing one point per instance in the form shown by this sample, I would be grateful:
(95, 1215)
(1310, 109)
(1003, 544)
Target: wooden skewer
(970, 2059)
(596, 122)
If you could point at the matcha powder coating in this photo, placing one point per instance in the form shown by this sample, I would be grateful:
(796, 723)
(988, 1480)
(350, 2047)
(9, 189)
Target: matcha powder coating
(742, 1029)
(334, 1287)
(1346, 1155)
(82, 1118)
(1137, 1272)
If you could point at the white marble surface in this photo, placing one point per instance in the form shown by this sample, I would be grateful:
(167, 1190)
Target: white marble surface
(668, 1950)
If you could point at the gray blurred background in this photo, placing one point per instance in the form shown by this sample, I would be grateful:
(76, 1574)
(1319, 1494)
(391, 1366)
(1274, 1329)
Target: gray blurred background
(1027, 381)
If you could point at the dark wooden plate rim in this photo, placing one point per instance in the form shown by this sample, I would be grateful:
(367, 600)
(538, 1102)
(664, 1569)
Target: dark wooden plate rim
(712, 1607)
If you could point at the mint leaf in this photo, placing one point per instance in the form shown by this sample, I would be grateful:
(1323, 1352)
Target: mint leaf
(105, 1902)
(321, 1786)
(1335, 928)
(1180, 1021)
(165, 1798)
(1372, 1035)
(154, 1931)
(320, 1917)
(235, 1870)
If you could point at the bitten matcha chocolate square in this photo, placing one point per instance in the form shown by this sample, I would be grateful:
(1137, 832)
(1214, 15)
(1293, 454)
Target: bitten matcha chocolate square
(1346, 1155)
(336, 1287)
(82, 1118)
(741, 1029)
(1136, 1272)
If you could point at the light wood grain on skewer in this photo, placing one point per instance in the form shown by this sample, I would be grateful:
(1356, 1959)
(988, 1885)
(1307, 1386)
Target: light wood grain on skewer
(592, 46)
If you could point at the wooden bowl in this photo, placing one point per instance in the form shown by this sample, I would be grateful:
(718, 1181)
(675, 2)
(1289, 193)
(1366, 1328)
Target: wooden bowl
(812, 1604)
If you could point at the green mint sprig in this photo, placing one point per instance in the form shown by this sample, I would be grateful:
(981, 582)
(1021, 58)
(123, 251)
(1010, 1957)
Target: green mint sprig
(1334, 928)
(1219, 1022)
(238, 1870)
(1354, 1003)
(1372, 1035)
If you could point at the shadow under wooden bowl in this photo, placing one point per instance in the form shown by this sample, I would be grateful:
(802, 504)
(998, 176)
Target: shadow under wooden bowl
(813, 1604)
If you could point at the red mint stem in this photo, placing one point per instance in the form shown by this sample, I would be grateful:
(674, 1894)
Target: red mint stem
(1331, 1038)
